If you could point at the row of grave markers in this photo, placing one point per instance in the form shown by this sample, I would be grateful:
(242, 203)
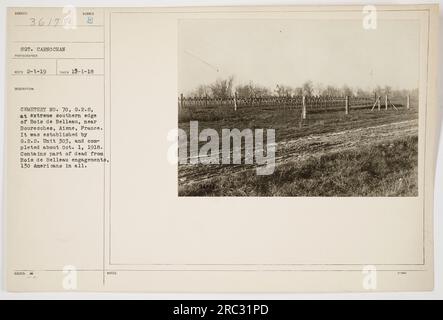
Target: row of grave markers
(304, 103)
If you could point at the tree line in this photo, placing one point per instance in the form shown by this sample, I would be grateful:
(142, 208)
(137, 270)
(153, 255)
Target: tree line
(224, 88)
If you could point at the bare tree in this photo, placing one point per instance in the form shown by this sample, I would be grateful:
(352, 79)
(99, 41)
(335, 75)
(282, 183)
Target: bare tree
(308, 88)
(346, 91)
(201, 91)
(378, 91)
(252, 90)
(387, 90)
(282, 90)
(331, 91)
(298, 91)
(222, 88)
(362, 93)
(318, 89)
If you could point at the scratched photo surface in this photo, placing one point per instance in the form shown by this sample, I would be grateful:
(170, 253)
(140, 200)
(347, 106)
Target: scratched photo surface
(298, 107)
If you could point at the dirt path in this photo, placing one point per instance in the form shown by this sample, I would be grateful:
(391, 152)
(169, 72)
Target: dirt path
(312, 145)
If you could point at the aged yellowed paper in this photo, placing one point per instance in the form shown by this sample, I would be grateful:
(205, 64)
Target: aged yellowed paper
(229, 149)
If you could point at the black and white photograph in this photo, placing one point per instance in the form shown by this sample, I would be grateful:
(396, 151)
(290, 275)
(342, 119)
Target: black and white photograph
(298, 107)
(223, 151)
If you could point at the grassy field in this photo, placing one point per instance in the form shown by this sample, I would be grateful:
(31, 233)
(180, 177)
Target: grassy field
(330, 154)
(388, 169)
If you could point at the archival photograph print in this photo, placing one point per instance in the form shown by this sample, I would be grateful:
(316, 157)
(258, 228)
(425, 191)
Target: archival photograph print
(298, 107)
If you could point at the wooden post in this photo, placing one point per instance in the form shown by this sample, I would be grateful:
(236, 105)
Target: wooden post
(235, 101)
(378, 103)
(303, 111)
(407, 102)
(386, 102)
(182, 102)
(347, 105)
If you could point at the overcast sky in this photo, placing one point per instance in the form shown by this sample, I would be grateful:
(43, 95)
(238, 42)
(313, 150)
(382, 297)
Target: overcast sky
(290, 52)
